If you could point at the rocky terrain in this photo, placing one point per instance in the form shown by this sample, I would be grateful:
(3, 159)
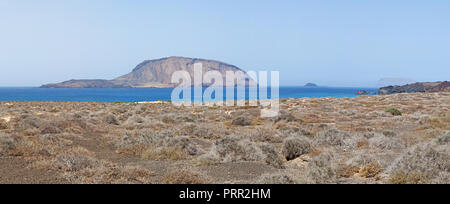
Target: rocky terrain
(417, 87)
(402, 138)
(151, 74)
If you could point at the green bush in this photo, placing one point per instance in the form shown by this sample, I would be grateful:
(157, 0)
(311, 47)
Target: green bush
(393, 111)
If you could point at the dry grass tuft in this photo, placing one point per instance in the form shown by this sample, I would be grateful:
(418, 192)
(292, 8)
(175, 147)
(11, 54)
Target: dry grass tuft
(370, 170)
(347, 171)
(168, 153)
(364, 144)
(401, 177)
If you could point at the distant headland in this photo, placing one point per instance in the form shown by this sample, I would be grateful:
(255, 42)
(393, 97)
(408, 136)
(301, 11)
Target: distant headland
(311, 85)
(425, 87)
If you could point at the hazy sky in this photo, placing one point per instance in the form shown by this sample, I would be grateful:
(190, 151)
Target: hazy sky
(334, 43)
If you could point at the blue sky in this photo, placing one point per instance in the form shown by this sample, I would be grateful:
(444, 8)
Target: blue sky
(333, 43)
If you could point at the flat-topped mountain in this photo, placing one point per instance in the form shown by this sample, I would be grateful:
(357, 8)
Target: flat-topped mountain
(151, 74)
(425, 87)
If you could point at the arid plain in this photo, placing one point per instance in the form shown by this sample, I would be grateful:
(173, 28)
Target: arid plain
(402, 138)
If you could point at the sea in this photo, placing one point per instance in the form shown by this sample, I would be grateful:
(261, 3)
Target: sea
(152, 94)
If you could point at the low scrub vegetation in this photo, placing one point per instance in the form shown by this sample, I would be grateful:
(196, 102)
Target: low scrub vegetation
(321, 140)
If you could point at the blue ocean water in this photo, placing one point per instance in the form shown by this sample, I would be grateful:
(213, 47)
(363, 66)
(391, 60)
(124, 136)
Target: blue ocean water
(150, 94)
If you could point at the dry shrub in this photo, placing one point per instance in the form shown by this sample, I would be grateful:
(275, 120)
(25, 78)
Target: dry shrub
(134, 120)
(111, 120)
(347, 171)
(27, 122)
(50, 129)
(120, 109)
(53, 144)
(401, 177)
(320, 170)
(26, 147)
(232, 149)
(439, 123)
(188, 129)
(184, 144)
(75, 159)
(289, 130)
(272, 158)
(332, 137)
(135, 150)
(362, 158)
(161, 153)
(110, 173)
(284, 115)
(295, 146)
(168, 120)
(134, 142)
(3, 124)
(156, 145)
(184, 177)
(7, 143)
(78, 126)
(202, 131)
(427, 159)
(370, 170)
(264, 134)
(242, 121)
(387, 143)
(209, 159)
(77, 165)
